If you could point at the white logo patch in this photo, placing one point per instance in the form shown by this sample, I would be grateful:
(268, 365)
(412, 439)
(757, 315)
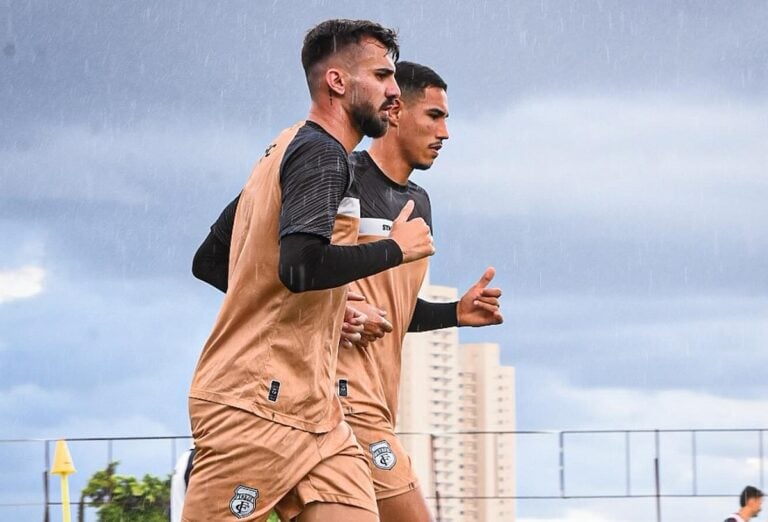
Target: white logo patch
(383, 457)
(375, 227)
(244, 501)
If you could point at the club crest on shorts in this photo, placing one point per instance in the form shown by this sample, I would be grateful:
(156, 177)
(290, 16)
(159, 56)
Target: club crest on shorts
(244, 501)
(382, 454)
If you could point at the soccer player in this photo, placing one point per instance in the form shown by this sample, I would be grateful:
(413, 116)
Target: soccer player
(267, 423)
(369, 379)
(369, 376)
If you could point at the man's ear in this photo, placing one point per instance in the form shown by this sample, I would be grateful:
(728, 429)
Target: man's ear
(394, 112)
(336, 81)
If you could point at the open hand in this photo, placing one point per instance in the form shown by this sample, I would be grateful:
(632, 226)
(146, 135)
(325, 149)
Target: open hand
(479, 306)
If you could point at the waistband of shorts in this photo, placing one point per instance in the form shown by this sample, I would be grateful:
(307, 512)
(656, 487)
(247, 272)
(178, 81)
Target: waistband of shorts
(268, 414)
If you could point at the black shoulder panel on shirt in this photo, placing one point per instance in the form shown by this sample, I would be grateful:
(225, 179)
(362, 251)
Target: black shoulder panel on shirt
(314, 175)
(382, 198)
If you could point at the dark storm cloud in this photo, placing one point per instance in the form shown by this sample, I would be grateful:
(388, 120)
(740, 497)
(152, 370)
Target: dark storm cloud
(128, 202)
(538, 256)
(90, 347)
(116, 63)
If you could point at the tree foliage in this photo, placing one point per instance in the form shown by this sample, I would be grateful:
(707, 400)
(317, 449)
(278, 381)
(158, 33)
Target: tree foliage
(122, 498)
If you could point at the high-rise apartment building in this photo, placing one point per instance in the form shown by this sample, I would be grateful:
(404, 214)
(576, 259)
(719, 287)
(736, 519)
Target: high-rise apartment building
(447, 388)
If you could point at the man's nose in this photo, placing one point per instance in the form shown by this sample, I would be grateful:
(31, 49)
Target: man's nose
(442, 131)
(393, 89)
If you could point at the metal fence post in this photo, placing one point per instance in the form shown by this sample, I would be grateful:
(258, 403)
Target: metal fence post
(46, 483)
(561, 438)
(762, 464)
(432, 438)
(656, 466)
(693, 462)
(173, 455)
(628, 463)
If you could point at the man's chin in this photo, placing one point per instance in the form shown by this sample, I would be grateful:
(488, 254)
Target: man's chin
(378, 131)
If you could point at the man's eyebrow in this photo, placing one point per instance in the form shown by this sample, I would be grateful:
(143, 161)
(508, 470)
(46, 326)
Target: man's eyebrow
(385, 70)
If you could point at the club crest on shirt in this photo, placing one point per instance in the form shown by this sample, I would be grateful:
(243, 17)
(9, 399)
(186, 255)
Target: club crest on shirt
(244, 501)
(382, 455)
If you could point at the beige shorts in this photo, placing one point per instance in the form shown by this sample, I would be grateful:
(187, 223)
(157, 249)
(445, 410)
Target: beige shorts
(390, 464)
(245, 466)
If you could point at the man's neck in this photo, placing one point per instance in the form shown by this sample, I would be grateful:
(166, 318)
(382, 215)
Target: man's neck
(387, 157)
(336, 122)
(745, 513)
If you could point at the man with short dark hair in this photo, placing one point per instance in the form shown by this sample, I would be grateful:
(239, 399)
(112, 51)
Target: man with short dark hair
(368, 375)
(751, 502)
(267, 424)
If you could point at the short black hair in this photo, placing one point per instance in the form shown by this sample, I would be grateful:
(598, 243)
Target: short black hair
(413, 78)
(749, 492)
(331, 36)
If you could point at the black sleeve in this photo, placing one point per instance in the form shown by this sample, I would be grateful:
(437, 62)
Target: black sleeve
(313, 178)
(310, 262)
(211, 261)
(433, 316)
(226, 222)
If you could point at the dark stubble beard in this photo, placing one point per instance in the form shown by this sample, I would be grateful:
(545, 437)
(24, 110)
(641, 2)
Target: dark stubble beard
(368, 120)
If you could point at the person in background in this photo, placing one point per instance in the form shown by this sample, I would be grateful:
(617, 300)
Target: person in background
(179, 481)
(751, 502)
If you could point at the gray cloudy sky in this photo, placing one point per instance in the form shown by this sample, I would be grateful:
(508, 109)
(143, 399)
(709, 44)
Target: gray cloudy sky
(609, 158)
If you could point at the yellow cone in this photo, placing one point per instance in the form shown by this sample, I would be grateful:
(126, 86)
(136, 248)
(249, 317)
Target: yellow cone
(63, 466)
(62, 460)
